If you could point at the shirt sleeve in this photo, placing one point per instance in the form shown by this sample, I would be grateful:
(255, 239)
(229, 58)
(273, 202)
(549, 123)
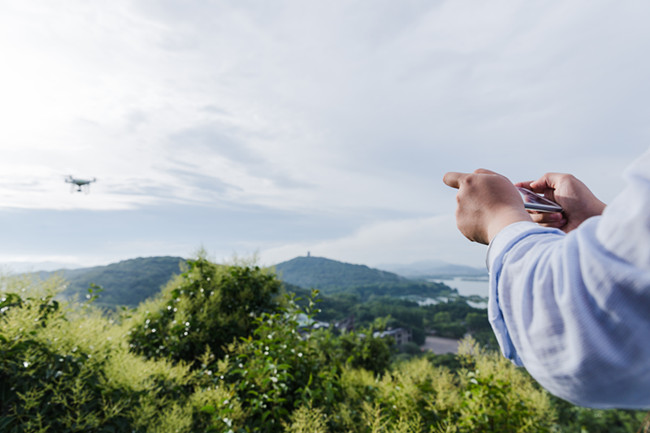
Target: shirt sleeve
(574, 309)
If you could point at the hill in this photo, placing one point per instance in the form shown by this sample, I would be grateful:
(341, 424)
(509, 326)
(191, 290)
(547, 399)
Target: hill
(330, 275)
(127, 283)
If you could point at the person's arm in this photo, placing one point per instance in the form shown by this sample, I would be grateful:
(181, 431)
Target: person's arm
(575, 309)
(573, 314)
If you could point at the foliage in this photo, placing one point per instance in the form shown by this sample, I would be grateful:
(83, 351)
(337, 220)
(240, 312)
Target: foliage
(417, 396)
(357, 349)
(68, 373)
(70, 369)
(577, 419)
(126, 283)
(209, 305)
(456, 318)
(453, 319)
(272, 372)
(283, 367)
(404, 289)
(326, 275)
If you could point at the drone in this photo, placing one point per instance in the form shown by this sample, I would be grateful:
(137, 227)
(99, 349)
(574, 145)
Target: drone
(81, 184)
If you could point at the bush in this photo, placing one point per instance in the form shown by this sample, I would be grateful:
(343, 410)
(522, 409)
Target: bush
(410, 348)
(209, 305)
(272, 372)
(65, 372)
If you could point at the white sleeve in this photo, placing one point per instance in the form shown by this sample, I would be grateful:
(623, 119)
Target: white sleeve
(575, 309)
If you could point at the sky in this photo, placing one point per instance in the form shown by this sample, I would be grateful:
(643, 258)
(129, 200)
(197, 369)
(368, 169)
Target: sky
(270, 129)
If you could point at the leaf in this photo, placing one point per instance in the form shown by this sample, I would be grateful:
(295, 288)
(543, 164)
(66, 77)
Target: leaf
(209, 409)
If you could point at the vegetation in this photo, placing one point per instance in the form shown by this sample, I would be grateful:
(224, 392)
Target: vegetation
(126, 283)
(245, 364)
(327, 275)
(401, 289)
(131, 282)
(207, 307)
(452, 319)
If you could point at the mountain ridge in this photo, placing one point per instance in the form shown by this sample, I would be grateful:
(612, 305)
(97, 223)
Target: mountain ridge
(129, 282)
(327, 274)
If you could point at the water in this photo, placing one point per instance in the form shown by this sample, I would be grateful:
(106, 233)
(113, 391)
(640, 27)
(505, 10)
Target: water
(467, 287)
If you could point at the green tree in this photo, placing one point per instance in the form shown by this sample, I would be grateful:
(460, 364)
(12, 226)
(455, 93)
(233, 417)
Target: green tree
(209, 305)
(443, 317)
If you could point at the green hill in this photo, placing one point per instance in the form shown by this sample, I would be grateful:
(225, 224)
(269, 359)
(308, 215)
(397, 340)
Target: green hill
(331, 275)
(127, 283)
(130, 282)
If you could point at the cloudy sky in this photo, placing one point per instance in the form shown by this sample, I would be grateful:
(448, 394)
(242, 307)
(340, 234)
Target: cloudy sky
(284, 127)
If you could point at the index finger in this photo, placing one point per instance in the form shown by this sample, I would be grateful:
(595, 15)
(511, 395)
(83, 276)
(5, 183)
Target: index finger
(453, 178)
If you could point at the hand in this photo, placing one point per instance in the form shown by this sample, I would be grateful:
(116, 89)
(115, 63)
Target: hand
(487, 202)
(577, 201)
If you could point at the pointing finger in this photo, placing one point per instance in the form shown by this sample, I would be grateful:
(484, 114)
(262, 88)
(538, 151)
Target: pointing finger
(453, 179)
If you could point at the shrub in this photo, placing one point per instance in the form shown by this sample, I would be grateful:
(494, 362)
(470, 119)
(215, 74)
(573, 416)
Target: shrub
(63, 370)
(274, 371)
(209, 305)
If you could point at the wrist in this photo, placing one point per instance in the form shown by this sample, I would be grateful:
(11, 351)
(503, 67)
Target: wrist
(504, 219)
(599, 207)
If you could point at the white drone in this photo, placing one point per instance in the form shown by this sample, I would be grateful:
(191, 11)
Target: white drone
(80, 184)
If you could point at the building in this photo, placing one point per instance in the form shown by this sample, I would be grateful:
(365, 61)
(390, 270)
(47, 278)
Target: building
(400, 335)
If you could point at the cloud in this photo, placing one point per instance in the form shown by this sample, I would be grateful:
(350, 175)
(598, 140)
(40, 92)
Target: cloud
(330, 111)
(213, 138)
(392, 241)
(399, 92)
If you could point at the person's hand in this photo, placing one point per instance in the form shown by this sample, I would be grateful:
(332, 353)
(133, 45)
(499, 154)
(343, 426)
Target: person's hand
(577, 201)
(487, 202)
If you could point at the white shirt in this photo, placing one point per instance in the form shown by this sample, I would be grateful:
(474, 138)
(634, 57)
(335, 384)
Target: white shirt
(574, 309)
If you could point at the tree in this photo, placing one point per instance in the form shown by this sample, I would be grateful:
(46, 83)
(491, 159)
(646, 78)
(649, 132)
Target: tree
(208, 306)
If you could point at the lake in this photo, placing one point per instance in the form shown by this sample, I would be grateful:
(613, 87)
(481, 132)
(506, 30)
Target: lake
(474, 287)
(466, 287)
